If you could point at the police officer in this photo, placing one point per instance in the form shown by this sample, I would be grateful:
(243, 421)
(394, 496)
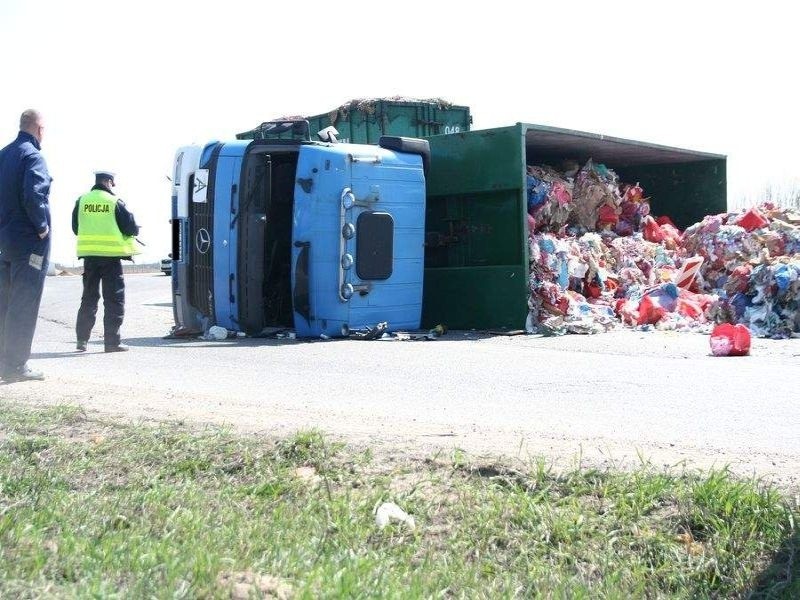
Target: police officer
(24, 245)
(105, 230)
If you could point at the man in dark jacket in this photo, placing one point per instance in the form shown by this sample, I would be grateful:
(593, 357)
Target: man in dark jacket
(24, 245)
(105, 230)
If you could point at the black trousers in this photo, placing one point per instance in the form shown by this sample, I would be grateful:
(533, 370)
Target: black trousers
(108, 272)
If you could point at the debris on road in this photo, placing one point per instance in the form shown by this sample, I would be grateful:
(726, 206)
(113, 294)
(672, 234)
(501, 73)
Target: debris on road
(216, 333)
(506, 333)
(730, 340)
(381, 332)
(370, 333)
(752, 267)
(437, 331)
(599, 260)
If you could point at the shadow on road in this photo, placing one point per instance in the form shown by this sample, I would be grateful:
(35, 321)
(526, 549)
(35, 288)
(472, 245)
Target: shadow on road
(196, 342)
(70, 354)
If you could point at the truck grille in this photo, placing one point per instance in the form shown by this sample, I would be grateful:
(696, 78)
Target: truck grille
(201, 250)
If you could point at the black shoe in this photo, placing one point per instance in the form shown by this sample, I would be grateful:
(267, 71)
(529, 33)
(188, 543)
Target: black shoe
(24, 373)
(80, 346)
(117, 348)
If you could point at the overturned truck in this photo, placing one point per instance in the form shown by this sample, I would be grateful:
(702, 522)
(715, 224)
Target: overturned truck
(289, 233)
(323, 237)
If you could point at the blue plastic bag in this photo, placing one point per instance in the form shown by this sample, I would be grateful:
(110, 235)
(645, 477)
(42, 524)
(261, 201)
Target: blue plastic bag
(537, 192)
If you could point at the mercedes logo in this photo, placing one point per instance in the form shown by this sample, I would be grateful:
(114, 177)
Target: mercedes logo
(202, 241)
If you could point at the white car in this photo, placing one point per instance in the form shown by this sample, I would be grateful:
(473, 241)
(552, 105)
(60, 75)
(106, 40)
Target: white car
(166, 265)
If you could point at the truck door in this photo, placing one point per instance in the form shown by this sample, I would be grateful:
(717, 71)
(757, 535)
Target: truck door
(225, 235)
(314, 236)
(384, 281)
(358, 235)
(322, 174)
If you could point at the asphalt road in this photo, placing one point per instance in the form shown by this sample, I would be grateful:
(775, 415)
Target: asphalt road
(607, 399)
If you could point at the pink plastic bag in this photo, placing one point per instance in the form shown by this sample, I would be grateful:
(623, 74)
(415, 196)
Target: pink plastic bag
(730, 340)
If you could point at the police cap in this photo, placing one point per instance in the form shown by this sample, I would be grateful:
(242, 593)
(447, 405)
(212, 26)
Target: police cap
(102, 175)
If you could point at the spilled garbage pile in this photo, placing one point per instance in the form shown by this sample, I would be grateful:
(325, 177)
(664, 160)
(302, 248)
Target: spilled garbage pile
(752, 262)
(599, 260)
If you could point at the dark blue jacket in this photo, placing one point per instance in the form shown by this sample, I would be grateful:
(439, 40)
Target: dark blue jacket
(24, 195)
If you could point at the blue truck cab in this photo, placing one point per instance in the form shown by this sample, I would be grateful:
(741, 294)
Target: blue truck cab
(320, 237)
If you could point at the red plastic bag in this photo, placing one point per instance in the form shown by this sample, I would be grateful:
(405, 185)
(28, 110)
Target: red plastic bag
(650, 312)
(657, 302)
(730, 340)
(607, 215)
(752, 219)
(652, 230)
(628, 311)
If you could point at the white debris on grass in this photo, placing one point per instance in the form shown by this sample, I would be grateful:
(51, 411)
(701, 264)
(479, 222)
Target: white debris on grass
(388, 512)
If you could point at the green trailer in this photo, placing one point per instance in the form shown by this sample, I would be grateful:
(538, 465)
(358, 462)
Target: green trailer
(365, 121)
(476, 255)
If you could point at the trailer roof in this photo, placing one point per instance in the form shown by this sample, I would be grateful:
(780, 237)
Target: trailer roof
(552, 142)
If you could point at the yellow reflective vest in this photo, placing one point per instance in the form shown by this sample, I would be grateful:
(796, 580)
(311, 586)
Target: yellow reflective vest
(98, 232)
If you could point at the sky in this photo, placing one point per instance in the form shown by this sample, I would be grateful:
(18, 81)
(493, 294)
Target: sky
(122, 85)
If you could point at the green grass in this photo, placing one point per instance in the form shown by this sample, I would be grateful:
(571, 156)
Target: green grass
(95, 509)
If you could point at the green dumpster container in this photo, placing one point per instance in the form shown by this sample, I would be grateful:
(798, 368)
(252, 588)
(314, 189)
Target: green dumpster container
(476, 243)
(364, 121)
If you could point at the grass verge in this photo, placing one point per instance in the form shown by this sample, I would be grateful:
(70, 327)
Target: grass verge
(90, 508)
